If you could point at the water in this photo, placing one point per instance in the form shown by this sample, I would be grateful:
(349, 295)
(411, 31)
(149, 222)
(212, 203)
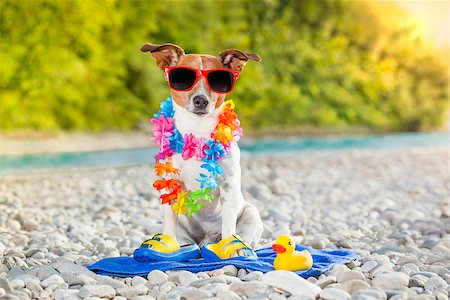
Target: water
(115, 158)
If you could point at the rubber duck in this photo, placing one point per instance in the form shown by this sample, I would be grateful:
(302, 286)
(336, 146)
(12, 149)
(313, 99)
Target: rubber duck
(288, 258)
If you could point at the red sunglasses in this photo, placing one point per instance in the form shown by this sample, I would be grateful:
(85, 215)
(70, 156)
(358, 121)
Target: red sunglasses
(220, 81)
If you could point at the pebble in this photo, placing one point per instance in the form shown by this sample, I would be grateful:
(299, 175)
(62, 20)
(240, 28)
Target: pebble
(354, 285)
(435, 283)
(70, 267)
(101, 291)
(319, 243)
(185, 278)
(202, 275)
(349, 275)
(105, 280)
(44, 272)
(252, 276)
(54, 279)
(166, 287)
(13, 225)
(290, 282)
(189, 293)
(242, 273)
(228, 295)
(401, 296)
(381, 268)
(81, 279)
(230, 270)
(417, 281)
(202, 282)
(369, 294)
(390, 281)
(216, 272)
(33, 286)
(16, 284)
(217, 288)
(249, 289)
(337, 269)
(138, 280)
(144, 297)
(61, 294)
(157, 277)
(324, 281)
(133, 291)
(229, 279)
(28, 278)
(4, 284)
(368, 266)
(334, 294)
(302, 296)
(409, 268)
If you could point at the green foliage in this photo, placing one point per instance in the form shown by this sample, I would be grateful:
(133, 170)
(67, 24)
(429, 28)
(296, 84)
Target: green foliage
(330, 64)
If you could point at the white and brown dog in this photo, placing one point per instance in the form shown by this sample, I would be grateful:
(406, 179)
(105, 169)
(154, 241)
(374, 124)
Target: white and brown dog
(196, 112)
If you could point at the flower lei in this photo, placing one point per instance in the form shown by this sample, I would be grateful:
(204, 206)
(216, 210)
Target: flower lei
(210, 151)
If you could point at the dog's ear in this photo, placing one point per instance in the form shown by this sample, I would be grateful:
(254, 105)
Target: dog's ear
(166, 55)
(235, 59)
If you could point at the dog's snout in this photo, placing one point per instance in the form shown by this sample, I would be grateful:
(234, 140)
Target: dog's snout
(200, 102)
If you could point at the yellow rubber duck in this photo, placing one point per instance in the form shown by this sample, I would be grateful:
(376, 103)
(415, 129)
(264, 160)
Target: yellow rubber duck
(289, 259)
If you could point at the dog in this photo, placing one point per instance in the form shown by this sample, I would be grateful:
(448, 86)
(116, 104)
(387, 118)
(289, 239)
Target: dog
(196, 112)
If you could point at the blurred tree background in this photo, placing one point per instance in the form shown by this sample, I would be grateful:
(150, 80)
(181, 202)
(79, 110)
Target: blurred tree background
(76, 65)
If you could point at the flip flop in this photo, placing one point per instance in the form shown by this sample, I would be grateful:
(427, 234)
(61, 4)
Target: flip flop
(165, 248)
(222, 251)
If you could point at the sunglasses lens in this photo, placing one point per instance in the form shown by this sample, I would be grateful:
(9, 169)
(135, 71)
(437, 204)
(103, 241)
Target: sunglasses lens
(221, 81)
(181, 78)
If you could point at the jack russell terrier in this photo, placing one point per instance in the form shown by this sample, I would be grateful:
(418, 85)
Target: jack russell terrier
(197, 102)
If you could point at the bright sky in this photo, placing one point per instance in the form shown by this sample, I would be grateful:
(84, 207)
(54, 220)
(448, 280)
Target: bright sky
(433, 14)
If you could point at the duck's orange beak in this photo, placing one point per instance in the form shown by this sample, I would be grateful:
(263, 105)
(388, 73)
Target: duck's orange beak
(278, 248)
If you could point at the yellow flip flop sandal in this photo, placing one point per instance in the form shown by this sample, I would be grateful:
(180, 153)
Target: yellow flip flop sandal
(215, 252)
(165, 248)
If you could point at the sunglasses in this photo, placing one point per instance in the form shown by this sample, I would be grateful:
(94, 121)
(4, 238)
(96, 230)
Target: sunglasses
(183, 79)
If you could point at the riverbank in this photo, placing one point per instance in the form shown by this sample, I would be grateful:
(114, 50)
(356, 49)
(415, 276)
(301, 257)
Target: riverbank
(46, 143)
(389, 206)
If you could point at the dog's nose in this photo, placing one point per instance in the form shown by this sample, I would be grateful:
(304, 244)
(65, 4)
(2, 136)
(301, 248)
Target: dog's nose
(200, 102)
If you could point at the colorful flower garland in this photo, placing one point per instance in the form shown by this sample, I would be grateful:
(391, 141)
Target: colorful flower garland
(210, 151)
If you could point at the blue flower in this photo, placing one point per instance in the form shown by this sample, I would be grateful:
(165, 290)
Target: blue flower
(207, 182)
(215, 151)
(213, 167)
(176, 141)
(166, 108)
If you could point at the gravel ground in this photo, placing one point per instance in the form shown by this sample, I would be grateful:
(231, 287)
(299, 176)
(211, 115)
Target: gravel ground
(391, 207)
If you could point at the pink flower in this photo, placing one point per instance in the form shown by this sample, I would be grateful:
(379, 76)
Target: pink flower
(237, 133)
(162, 129)
(190, 146)
(201, 146)
(165, 152)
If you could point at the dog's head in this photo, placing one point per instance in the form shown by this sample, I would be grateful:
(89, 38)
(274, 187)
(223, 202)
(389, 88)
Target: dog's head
(199, 99)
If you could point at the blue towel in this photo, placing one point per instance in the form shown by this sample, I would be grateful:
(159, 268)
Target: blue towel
(126, 266)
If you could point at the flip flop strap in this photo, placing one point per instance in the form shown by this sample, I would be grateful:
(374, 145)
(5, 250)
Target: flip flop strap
(229, 245)
(163, 243)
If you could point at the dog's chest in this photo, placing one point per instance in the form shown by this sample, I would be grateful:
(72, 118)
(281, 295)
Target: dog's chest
(188, 123)
(189, 171)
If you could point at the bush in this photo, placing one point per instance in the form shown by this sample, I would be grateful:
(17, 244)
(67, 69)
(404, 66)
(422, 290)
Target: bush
(76, 65)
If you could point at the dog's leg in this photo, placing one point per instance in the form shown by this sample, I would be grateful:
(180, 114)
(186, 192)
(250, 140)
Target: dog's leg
(169, 220)
(249, 225)
(231, 198)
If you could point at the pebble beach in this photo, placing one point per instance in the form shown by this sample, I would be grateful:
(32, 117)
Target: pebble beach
(389, 206)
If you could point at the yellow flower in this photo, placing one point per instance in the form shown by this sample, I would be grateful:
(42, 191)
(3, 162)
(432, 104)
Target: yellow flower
(229, 104)
(179, 207)
(224, 134)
